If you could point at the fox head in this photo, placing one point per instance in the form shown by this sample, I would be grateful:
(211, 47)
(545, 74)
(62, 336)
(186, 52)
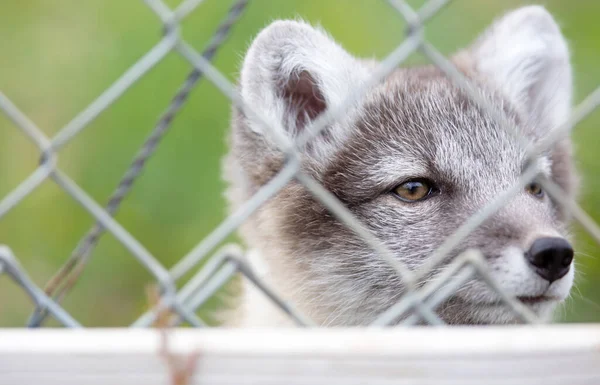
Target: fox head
(412, 160)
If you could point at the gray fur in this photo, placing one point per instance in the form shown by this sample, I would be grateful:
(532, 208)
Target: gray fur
(415, 124)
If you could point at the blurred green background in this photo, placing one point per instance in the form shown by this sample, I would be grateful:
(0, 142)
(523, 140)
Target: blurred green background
(58, 56)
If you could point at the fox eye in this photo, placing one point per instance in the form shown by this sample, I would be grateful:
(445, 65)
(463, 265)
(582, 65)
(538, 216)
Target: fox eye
(414, 190)
(535, 189)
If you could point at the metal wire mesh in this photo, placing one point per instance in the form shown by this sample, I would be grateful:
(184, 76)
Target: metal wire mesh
(220, 266)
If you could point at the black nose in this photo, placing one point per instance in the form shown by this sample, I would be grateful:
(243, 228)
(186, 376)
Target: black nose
(550, 257)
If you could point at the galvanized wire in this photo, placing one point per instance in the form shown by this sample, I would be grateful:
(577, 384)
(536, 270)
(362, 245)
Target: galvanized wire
(67, 276)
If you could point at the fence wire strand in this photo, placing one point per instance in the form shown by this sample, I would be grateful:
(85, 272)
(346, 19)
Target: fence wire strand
(68, 275)
(214, 271)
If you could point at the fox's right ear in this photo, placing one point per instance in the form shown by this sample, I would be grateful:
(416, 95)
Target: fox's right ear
(292, 73)
(525, 55)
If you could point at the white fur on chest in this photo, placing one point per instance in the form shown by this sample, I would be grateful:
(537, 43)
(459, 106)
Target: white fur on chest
(257, 309)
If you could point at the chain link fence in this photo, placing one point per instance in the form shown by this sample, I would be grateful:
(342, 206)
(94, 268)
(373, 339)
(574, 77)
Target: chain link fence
(219, 266)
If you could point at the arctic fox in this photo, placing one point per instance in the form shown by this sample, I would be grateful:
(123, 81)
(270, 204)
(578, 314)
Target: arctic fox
(412, 161)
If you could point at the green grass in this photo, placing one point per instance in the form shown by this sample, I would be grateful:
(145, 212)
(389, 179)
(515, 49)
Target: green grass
(59, 56)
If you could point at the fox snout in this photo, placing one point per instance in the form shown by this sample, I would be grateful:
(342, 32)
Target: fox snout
(550, 257)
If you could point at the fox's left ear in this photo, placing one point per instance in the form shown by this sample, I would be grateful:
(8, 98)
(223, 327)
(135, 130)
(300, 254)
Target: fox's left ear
(526, 56)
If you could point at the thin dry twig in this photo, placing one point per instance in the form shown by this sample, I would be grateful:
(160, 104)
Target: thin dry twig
(181, 368)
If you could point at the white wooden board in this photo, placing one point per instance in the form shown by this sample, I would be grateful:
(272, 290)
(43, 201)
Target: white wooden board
(561, 354)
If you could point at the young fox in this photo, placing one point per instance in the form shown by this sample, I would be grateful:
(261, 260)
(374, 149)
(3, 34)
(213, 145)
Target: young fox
(412, 160)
